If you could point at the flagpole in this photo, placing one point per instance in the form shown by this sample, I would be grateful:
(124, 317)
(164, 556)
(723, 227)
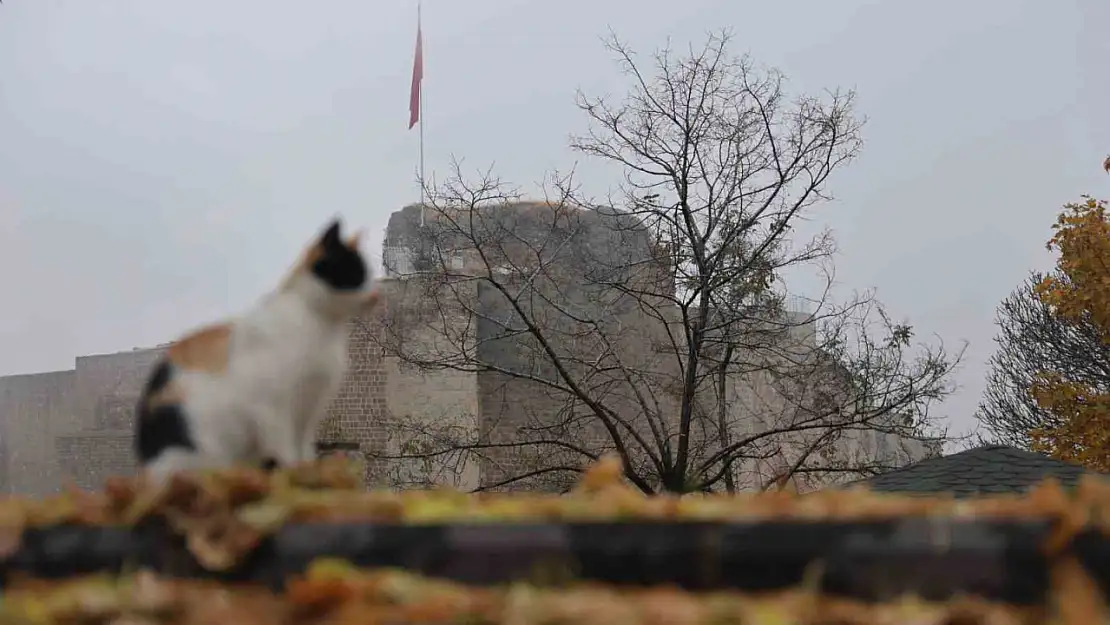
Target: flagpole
(419, 29)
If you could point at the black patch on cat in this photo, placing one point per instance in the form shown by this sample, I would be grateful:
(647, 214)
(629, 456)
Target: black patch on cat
(163, 427)
(340, 267)
(160, 429)
(159, 378)
(269, 465)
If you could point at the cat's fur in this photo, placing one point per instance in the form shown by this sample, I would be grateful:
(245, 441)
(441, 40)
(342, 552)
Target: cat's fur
(253, 390)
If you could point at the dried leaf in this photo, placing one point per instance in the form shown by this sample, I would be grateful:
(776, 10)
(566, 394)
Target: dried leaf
(318, 595)
(153, 596)
(264, 517)
(211, 554)
(331, 569)
(145, 501)
(220, 542)
(607, 472)
(13, 518)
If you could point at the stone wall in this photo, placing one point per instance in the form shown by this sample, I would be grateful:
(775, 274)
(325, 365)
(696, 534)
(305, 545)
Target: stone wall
(93, 441)
(354, 417)
(88, 459)
(559, 265)
(558, 257)
(71, 426)
(30, 407)
(425, 404)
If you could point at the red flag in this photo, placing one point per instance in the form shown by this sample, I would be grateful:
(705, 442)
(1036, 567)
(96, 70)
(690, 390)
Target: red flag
(417, 76)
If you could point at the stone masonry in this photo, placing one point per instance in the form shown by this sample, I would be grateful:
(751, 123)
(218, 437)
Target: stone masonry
(527, 248)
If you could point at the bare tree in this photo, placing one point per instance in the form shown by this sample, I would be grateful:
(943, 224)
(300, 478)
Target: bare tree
(1032, 340)
(653, 323)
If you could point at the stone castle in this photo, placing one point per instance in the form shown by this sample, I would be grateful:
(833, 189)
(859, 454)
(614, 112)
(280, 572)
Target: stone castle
(76, 425)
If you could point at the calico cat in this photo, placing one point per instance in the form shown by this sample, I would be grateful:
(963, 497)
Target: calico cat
(253, 390)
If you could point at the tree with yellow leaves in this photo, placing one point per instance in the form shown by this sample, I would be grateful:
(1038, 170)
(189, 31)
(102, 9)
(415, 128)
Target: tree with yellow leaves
(1078, 292)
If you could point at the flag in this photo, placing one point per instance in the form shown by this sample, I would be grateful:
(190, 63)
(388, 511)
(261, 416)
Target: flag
(417, 76)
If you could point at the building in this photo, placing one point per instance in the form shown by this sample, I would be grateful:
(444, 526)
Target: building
(473, 280)
(73, 424)
(409, 385)
(986, 470)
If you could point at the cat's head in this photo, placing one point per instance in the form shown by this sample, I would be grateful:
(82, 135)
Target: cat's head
(333, 275)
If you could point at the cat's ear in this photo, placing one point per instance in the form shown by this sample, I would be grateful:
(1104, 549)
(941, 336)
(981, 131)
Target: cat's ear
(354, 240)
(331, 236)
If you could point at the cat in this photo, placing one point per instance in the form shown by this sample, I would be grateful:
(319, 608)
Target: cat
(253, 390)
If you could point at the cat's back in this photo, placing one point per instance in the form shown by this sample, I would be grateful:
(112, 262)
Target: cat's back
(281, 323)
(282, 339)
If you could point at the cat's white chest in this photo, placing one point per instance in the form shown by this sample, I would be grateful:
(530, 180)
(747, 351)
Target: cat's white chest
(288, 361)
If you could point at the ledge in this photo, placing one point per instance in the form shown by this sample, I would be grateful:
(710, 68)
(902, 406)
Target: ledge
(934, 558)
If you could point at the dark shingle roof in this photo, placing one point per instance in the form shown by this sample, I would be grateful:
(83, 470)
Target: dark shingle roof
(989, 469)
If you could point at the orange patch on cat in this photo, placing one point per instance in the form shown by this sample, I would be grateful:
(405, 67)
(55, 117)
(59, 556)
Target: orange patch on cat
(354, 240)
(310, 256)
(206, 349)
(167, 396)
(304, 264)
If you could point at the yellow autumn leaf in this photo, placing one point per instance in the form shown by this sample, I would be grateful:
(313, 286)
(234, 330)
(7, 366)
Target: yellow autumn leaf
(264, 517)
(1079, 291)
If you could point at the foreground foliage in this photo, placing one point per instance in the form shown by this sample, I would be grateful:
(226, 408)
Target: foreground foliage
(242, 505)
(224, 515)
(334, 593)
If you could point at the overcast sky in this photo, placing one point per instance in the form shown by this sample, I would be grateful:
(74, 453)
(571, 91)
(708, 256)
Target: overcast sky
(161, 163)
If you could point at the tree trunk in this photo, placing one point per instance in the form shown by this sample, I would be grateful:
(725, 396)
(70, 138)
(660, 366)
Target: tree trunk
(722, 420)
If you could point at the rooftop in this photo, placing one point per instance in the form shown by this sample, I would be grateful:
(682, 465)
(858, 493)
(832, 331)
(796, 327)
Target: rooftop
(983, 470)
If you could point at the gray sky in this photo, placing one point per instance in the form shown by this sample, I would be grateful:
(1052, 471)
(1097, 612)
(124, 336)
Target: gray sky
(161, 163)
